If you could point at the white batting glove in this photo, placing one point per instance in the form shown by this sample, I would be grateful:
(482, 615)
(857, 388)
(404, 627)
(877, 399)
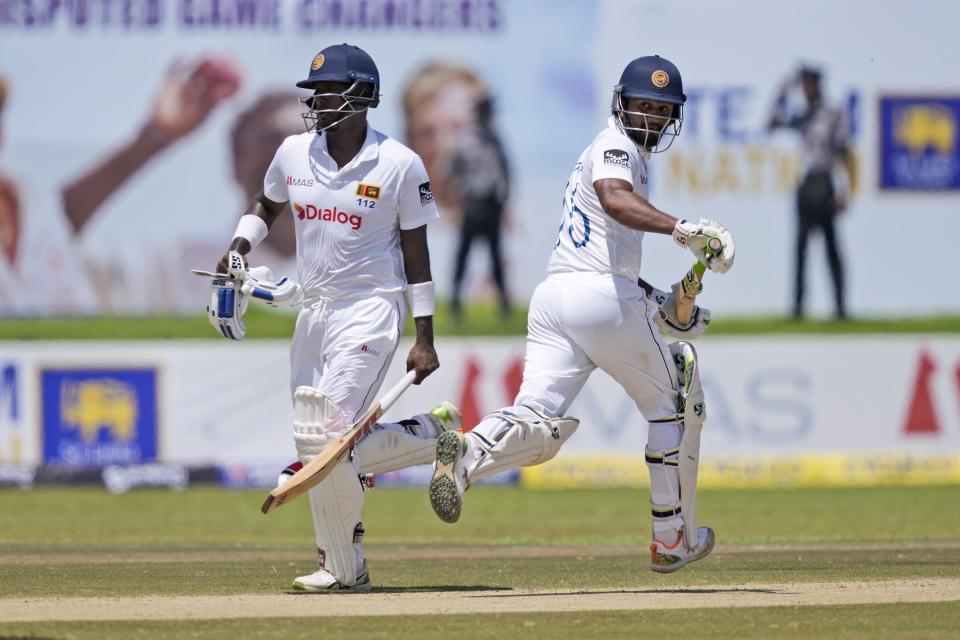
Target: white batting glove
(701, 239)
(260, 286)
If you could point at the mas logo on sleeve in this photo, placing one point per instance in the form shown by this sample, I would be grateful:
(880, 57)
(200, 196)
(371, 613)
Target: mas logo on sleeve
(617, 158)
(426, 194)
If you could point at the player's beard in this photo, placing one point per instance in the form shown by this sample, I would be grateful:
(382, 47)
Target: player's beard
(645, 138)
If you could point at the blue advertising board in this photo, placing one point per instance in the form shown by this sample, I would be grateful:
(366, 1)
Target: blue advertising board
(98, 416)
(918, 143)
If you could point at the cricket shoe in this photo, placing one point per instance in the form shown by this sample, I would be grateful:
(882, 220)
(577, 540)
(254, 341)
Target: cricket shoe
(322, 581)
(449, 480)
(668, 558)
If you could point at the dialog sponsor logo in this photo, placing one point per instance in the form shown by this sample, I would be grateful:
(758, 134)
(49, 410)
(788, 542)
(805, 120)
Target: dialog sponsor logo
(313, 212)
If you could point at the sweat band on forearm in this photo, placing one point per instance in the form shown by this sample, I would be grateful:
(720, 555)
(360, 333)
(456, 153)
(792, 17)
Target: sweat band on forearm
(251, 228)
(421, 297)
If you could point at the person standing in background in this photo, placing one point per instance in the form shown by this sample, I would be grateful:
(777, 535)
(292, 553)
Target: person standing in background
(824, 186)
(480, 174)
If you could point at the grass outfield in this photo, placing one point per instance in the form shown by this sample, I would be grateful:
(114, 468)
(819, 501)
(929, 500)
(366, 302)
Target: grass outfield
(582, 553)
(479, 320)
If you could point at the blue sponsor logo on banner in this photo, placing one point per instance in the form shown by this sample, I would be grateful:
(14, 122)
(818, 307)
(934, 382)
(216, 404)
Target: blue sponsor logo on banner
(11, 418)
(99, 416)
(918, 143)
(9, 394)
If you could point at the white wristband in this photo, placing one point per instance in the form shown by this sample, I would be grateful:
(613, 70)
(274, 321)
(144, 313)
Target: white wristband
(422, 299)
(252, 229)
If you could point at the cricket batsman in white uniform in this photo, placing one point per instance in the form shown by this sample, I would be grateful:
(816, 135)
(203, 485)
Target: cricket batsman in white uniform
(593, 311)
(361, 203)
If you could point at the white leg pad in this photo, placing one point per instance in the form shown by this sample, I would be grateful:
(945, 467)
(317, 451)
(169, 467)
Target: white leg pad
(389, 447)
(515, 437)
(317, 421)
(336, 504)
(664, 490)
(693, 410)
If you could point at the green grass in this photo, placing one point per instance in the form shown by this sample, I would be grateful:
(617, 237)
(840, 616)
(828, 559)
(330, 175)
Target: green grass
(863, 622)
(207, 541)
(74, 518)
(480, 319)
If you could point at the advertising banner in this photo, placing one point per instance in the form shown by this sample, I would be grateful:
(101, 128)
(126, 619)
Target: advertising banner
(799, 410)
(918, 143)
(135, 133)
(168, 113)
(99, 416)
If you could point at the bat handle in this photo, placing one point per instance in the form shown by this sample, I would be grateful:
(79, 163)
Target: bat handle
(391, 396)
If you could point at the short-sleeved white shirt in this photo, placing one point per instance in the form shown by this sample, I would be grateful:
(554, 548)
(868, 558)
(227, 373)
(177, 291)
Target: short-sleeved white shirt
(590, 240)
(348, 220)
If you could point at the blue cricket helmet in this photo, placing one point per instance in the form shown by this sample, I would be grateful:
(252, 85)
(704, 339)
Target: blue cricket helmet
(653, 78)
(344, 63)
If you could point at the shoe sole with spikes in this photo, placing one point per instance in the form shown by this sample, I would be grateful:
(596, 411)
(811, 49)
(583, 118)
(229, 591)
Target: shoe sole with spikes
(444, 497)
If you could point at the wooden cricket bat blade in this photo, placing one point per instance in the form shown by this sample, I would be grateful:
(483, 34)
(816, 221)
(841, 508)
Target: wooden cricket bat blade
(267, 504)
(313, 473)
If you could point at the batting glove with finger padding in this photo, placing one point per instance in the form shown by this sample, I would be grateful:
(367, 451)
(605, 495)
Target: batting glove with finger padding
(702, 240)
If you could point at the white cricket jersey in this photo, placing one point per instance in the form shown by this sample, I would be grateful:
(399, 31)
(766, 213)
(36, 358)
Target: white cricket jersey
(348, 220)
(590, 240)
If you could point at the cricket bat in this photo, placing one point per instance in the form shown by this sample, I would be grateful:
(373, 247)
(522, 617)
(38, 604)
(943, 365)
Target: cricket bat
(685, 292)
(320, 467)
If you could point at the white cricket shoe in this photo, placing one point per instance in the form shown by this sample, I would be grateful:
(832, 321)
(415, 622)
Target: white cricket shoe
(449, 480)
(322, 581)
(668, 558)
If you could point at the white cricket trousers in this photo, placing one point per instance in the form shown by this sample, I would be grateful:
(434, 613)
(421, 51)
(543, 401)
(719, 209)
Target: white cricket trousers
(344, 348)
(581, 321)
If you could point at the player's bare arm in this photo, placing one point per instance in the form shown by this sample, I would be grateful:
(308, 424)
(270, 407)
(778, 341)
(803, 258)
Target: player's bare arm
(626, 207)
(263, 208)
(416, 263)
(185, 100)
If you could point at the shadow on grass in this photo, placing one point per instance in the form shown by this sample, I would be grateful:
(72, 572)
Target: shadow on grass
(653, 592)
(423, 589)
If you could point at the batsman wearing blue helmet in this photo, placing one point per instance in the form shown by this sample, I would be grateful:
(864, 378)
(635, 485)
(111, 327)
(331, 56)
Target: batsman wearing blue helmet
(361, 202)
(593, 311)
